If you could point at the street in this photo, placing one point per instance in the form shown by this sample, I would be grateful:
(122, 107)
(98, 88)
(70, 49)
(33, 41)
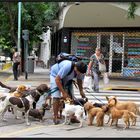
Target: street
(47, 129)
(17, 128)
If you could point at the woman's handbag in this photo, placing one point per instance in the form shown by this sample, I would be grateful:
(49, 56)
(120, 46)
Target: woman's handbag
(102, 67)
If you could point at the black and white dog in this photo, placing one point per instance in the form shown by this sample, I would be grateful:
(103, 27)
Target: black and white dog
(23, 104)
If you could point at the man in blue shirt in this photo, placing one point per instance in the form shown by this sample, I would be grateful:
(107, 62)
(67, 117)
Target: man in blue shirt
(61, 77)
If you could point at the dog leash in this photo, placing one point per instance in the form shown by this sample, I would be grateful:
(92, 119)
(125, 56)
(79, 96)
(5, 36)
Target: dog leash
(49, 92)
(94, 96)
(91, 94)
(77, 100)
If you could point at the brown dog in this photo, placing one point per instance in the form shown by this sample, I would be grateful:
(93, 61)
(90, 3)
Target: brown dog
(19, 91)
(124, 114)
(92, 112)
(124, 105)
(38, 113)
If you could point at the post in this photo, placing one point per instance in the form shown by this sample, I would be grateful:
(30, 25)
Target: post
(19, 26)
(123, 57)
(110, 54)
(26, 38)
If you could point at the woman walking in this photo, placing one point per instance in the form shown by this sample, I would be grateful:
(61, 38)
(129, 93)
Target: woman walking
(93, 67)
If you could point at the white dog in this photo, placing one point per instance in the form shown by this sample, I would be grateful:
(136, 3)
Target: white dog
(70, 110)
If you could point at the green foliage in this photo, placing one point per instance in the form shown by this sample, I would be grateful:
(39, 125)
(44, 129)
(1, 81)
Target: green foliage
(131, 10)
(34, 16)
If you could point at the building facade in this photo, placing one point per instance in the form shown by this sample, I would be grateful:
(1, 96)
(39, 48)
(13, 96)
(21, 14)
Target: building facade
(88, 25)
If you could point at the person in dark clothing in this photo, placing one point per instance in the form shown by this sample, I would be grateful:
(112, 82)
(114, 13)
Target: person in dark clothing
(16, 63)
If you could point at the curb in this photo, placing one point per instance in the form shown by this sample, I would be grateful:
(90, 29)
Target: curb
(6, 66)
(122, 88)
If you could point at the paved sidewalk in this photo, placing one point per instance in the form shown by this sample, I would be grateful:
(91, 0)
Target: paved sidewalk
(41, 75)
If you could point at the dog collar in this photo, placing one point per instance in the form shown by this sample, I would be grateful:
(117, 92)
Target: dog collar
(22, 102)
(38, 92)
(33, 98)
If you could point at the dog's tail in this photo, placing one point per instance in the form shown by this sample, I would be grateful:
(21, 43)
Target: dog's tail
(132, 115)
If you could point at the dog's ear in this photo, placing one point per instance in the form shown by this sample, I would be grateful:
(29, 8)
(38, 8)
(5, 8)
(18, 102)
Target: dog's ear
(115, 99)
(88, 106)
(86, 99)
(43, 88)
(21, 88)
(107, 98)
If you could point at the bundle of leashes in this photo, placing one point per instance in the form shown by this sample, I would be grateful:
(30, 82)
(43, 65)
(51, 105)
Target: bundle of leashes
(89, 92)
(51, 91)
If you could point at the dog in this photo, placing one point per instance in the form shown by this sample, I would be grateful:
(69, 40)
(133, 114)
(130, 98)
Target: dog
(23, 104)
(124, 105)
(124, 114)
(19, 91)
(2, 94)
(26, 92)
(39, 113)
(105, 108)
(70, 110)
(92, 112)
(75, 101)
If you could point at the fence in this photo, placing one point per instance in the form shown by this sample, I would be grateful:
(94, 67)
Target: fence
(120, 49)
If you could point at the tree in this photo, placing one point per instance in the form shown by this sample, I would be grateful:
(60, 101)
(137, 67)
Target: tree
(34, 16)
(131, 10)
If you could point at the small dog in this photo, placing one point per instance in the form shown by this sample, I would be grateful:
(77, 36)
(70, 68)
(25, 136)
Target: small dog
(71, 109)
(38, 113)
(124, 105)
(124, 114)
(19, 91)
(23, 104)
(92, 112)
(105, 108)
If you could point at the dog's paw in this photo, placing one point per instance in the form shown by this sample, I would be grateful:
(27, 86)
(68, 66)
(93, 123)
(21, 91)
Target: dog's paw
(69, 123)
(80, 126)
(18, 118)
(28, 124)
(64, 123)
